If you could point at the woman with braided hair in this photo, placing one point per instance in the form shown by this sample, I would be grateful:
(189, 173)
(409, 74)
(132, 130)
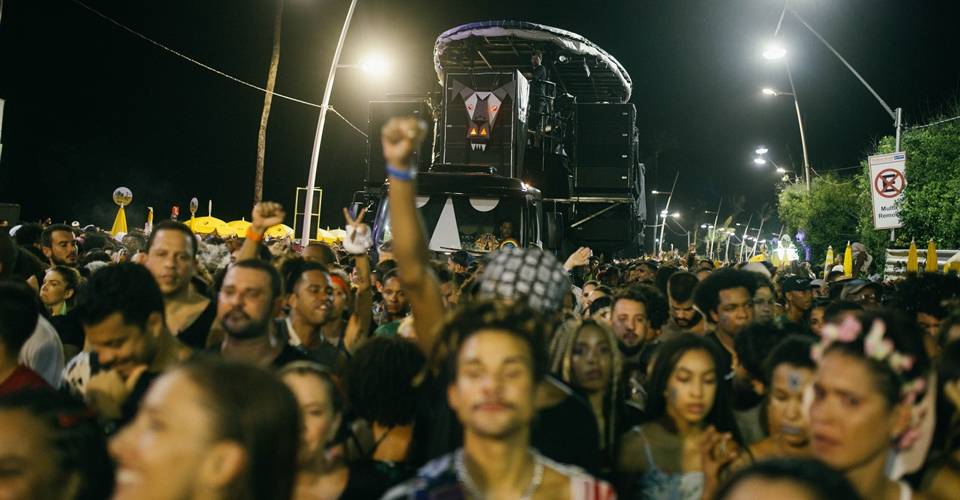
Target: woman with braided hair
(584, 355)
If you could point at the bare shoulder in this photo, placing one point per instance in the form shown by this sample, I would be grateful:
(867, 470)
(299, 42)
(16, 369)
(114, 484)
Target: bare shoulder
(943, 483)
(632, 456)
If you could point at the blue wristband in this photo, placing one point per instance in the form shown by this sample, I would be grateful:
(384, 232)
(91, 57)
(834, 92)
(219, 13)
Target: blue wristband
(401, 175)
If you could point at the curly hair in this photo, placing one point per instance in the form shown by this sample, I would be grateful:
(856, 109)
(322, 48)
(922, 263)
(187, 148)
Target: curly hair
(707, 294)
(379, 380)
(514, 317)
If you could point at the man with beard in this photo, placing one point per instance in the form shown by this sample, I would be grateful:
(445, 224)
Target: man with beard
(251, 296)
(725, 297)
(684, 317)
(631, 314)
(395, 304)
(59, 245)
(172, 260)
(127, 341)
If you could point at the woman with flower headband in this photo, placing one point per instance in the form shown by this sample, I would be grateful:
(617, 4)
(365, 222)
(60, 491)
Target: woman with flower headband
(870, 371)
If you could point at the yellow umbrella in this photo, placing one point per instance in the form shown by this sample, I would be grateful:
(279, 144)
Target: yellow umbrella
(279, 231)
(208, 225)
(119, 223)
(931, 266)
(848, 261)
(239, 227)
(912, 262)
(326, 236)
(758, 258)
(953, 264)
(828, 264)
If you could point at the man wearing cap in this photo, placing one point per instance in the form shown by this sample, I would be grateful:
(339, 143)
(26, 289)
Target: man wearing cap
(798, 296)
(863, 292)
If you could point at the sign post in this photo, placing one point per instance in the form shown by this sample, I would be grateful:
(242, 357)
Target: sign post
(887, 182)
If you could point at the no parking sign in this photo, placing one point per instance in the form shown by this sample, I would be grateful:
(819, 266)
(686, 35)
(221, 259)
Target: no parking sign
(887, 182)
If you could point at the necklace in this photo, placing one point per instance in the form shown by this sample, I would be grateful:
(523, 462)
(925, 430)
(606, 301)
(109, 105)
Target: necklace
(473, 492)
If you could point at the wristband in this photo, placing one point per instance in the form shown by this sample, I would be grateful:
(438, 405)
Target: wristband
(401, 175)
(253, 236)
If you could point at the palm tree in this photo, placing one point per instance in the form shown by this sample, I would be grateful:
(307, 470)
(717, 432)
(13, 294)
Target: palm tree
(267, 101)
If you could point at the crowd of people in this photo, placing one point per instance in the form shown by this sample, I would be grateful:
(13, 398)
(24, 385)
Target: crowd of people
(163, 365)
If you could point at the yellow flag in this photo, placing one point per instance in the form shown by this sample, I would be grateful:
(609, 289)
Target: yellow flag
(931, 266)
(828, 264)
(913, 264)
(848, 261)
(120, 223)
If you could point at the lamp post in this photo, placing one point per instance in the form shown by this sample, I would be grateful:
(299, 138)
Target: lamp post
(324, 106)
(895, 114)
(776, 52)
(667, 209)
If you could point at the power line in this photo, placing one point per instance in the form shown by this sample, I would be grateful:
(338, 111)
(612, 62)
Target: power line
(939, 122)
(207, 66)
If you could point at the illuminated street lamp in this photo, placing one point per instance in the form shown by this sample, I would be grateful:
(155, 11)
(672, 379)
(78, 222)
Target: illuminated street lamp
(761, 150)
(759, 161)
(773, 52)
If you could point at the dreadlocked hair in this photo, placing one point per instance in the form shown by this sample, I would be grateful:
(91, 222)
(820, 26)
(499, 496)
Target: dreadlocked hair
(561, 365)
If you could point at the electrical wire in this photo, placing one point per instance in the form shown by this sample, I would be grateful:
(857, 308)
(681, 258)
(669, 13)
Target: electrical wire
(939, 122)
(207, 66)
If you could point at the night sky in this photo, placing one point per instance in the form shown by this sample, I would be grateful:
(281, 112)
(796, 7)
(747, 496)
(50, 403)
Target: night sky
(90, 107)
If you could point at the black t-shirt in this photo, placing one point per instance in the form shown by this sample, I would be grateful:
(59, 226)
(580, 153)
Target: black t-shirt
(195, 335)
(288, 355)
(725, 357)
(566, 432)
(69, 328)
(327, 354)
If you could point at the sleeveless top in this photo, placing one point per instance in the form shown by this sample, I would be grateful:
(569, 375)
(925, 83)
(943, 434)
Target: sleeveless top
(656, 484)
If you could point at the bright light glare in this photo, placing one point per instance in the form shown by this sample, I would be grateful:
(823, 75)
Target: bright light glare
(781, 170)
(774, 51)
(768, 91)
(675, 215)
(762, 150)
(760, 161)
(663, 213)
(375, 64)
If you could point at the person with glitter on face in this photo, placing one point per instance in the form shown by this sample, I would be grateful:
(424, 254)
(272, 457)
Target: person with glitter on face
(690, 435)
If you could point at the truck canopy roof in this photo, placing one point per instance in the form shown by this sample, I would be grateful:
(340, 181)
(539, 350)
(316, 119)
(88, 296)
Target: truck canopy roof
(579, 66)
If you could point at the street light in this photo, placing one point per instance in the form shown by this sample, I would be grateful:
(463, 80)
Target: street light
(776, 52)
(759, 161)
(324, 106)
(375, 64)
(761, 150)
(675, 215)
(781, 170)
